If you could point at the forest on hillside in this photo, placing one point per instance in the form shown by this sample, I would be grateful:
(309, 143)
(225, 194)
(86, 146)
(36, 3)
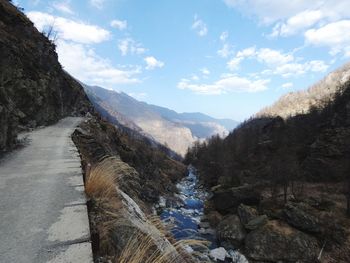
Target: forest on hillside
(279, 151)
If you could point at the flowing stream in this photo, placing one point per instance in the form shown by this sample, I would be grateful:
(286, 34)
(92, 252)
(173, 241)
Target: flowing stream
(188, 220)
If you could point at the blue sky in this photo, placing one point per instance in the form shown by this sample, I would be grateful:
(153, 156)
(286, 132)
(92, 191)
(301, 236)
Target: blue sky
(226, 58)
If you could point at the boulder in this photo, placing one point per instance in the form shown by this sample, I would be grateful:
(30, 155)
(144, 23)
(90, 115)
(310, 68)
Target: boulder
(218, 253)
(300, 216)
(256, 222)
(231, 232)
(227, 200)
(276, 241)
(246, 213)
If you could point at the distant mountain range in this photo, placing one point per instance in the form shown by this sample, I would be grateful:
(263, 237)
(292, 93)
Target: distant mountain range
(176, 130)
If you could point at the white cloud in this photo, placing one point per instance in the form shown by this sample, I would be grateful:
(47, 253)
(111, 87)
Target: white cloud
(199, 26)
(287, 85)
(119, 24)
(316, 66)
(226, 84)
(233, 64)
(97, 3)
(69, 29)
(278, 63)
(333, 35)
(153, 63)
(323, 22)
(270, 11)
(63, 6)
(273, 57)
(83, 63)
(130, 46)
(224, 36)
(205, 71)
(195, 77)
(247, 52)
(225, 51)
(298, 23)
(294, 69)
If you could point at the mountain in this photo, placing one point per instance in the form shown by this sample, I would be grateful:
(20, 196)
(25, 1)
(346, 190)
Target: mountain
(178, 131)
(287, 163)
(34, 89)
(317, 96)
(201, 125)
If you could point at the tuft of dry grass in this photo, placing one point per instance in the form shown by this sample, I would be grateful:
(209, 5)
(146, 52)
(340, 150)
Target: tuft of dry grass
(101, 181)
(141, 248)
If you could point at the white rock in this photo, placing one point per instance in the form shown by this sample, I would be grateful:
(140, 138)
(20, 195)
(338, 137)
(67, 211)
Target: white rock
(218, 253)
(188, 249)
(237, 257)
(162, 201)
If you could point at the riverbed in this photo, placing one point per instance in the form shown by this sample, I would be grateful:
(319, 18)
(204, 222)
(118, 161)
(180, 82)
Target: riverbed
(188, 220)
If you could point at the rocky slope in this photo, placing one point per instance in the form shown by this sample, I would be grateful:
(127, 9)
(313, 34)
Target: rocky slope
(292, 173)
(177, 131)
(34, 89)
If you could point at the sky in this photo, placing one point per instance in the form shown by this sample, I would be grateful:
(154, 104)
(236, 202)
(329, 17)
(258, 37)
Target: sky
(225, 58)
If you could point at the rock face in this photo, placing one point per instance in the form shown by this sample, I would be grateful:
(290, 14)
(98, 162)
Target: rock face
(34, 89)
(228, 200)
(231, 232)
(278, 242)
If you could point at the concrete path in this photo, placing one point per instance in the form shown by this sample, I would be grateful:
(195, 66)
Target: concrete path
(43, 215)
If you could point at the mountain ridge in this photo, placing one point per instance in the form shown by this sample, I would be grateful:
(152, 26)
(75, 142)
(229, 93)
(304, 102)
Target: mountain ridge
(178, 131)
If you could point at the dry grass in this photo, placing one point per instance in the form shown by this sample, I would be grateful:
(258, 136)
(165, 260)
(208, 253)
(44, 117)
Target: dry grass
(141, 248)
(101, 182)
(155, 244)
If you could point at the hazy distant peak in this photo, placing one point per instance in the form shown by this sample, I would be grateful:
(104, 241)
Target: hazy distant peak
(177, 130)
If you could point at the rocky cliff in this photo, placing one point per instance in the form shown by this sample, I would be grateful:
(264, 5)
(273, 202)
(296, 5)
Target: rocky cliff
(34, 89)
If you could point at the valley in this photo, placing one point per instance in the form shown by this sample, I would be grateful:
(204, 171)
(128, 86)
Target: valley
(177, 131)
(92, 174)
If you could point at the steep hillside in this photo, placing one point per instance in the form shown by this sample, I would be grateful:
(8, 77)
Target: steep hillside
(34, 89)
(291, 163)
(177, 131)
(138, 114)
(126, 126)
(317, 96)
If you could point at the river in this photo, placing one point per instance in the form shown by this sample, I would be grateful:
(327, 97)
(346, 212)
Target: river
(188, 219)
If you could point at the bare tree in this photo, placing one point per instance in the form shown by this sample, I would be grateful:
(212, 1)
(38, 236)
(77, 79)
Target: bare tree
(50, 32)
